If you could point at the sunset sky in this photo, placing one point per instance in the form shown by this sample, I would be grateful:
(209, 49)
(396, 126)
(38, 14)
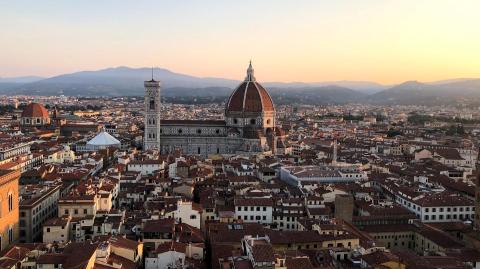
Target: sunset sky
(379, 40)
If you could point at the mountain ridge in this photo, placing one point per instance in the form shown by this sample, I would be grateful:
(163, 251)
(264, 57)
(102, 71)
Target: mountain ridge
(125, 81)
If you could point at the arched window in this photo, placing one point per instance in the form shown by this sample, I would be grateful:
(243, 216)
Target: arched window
(152, 104)
(235, 121)
(198, 150)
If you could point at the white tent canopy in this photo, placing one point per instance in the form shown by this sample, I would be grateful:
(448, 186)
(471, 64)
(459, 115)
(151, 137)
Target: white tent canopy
(103, 139)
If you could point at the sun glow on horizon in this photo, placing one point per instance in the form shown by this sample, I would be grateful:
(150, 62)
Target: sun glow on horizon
(383, 41)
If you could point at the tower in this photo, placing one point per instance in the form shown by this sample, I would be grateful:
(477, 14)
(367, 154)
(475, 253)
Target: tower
(476, 221)
(151, 138)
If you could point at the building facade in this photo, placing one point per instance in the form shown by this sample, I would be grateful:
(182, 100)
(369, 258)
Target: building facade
(8, 207)
(38, 204)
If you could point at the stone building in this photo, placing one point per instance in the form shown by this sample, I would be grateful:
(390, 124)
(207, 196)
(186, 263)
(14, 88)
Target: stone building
(248, 126)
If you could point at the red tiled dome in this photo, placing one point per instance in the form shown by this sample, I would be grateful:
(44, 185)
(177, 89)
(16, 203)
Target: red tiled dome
(250, 96)
(35, 110)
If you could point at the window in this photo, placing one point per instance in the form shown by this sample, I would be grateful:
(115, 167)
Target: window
(217, 131)
(253, 121)
(235, 121)
(198, 150)
(10, 202)
(66, 211)
(75, 211)
(268, 121)
(152, 104)
(48, 230)
(10, 235)
(199, 131)
(85, 211)
(193, 217)
(239, 208)
(180, 131)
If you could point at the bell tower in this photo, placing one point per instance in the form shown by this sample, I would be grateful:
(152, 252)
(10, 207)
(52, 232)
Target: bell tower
(151, 138)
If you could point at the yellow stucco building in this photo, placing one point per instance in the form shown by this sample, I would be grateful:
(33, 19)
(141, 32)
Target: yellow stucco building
(8, 207)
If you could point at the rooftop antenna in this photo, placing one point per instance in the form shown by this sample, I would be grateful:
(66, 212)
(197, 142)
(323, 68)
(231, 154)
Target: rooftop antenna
(152, 72)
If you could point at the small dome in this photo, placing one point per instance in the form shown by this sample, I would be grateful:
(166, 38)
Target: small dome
(35, 110)
(250, 96)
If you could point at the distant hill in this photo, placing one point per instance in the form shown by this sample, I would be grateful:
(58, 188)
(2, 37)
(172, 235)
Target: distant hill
(126, 81)
(9, 83)
(114, 82)
(129, 81)
(310, 95)
(26, 79)
(316, 95)
(366, 87)
(413, 92)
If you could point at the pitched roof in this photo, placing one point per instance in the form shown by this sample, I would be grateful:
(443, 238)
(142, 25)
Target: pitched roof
(103, 139)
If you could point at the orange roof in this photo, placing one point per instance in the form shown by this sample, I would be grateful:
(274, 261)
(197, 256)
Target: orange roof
(35, 110)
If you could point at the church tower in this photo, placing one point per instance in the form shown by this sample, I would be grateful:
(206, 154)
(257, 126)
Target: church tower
(151, 138)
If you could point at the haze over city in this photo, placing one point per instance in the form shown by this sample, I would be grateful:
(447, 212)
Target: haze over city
(382, 41)
(266, 134)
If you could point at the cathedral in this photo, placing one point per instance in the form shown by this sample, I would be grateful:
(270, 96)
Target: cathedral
(248, 127)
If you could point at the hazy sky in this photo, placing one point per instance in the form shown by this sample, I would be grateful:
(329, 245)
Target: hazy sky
(378, 40)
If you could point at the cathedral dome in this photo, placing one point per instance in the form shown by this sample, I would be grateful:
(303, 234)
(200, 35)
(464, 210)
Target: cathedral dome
(250, 97)
(35, 110)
